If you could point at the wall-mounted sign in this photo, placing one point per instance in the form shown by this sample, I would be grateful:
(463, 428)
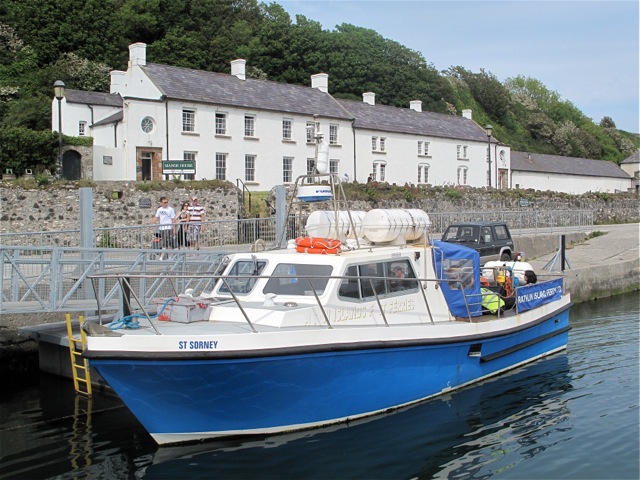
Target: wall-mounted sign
(144, 203)
(524, 202)
(107, 160)
(178, 166)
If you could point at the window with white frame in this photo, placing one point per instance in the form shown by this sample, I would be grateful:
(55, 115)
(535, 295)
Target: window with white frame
(82, 129)
(423, 148)
(221, 123)
(333, 134)
(383, 144)
(287, 169)
(379, 171)
(249, 126)
(311, 131)
(221, 166)
(333, 166)
(249, 168)
(423, 173)
(374, 144)
(189, 156)
(462, 151)
(147, 124)
(311, 169)
(462, 175)
(188, 120)
(287, 125)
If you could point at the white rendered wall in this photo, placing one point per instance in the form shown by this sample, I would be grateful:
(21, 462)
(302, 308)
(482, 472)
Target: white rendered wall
(402, 159)
(574, 184)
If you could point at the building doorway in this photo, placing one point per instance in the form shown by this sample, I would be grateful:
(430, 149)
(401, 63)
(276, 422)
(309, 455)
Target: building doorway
(503, 179)
(71, 165)
(149, 164)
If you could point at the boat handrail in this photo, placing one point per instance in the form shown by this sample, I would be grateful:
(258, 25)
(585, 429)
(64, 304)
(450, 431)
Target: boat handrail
(125, 283)
(471, 300)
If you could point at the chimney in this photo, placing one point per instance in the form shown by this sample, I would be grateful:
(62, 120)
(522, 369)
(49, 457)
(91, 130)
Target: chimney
(320, 81)
(466, 113)
(238, 68)
(137, 54)
(416, 105)
(369, 97)
(117, 80)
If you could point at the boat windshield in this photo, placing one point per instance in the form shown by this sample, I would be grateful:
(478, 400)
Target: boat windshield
(286, 281)
(242, 276)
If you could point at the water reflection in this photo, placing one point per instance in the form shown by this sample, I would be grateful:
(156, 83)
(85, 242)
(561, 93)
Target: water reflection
(486, 427)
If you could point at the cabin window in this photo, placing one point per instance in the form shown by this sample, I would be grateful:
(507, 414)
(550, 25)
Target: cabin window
(291, 279)
(378, 278)
(242, 276)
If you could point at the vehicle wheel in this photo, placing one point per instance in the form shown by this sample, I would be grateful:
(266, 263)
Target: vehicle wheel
(505, 257)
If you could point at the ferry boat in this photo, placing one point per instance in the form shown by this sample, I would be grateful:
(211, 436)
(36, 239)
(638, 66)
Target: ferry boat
(363, 315)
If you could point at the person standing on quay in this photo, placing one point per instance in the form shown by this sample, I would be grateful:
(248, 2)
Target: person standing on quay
(182, 221)
(196, 225)
(165, 215)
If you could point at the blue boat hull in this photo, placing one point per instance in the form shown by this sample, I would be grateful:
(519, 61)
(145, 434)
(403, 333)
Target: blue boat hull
(200, 398)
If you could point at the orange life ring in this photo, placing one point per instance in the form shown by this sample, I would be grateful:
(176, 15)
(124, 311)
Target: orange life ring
(318, 243)
(331, 251)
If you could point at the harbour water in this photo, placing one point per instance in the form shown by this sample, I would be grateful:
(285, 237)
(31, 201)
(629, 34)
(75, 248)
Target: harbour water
(572, 416)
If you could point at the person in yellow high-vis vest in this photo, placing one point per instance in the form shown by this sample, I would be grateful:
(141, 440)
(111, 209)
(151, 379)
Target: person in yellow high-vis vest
(492, 302)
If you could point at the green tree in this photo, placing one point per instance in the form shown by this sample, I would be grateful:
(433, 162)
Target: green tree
(23, 148)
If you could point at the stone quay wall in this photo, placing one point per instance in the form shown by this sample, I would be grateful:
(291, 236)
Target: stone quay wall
(116, 204)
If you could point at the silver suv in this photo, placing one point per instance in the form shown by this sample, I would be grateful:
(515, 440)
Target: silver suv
(492, 240)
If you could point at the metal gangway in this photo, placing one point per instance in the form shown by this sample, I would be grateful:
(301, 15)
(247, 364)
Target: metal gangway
(55, 279)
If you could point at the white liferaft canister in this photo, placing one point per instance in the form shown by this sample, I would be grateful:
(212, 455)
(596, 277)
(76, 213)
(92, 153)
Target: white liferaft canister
(322, 223)
(387, 225)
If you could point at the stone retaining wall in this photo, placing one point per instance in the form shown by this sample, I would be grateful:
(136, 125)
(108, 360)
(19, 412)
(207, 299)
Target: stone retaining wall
(121, 204)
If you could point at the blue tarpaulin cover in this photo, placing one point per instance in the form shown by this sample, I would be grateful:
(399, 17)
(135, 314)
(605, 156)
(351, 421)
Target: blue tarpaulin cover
(458, 268)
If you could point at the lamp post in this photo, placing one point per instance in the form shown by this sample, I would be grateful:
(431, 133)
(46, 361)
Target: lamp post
(488, 129)
(58, 92)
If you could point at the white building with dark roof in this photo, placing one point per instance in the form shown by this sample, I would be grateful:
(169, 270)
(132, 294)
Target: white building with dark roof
(161, 121)
(631, 165)
(566, 174)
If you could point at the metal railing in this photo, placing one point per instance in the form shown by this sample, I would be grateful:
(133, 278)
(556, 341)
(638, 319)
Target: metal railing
(138, 301)
(547, 221)
(55, 279)
(225, 233)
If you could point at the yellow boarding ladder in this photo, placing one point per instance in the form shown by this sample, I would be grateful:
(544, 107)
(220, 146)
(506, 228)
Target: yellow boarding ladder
(79, 365)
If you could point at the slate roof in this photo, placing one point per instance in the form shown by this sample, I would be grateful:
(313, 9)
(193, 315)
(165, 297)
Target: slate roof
(116, 117)
(536, 162)
(635, 158)
(405, 120)
(223, 89)
(93, 98)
